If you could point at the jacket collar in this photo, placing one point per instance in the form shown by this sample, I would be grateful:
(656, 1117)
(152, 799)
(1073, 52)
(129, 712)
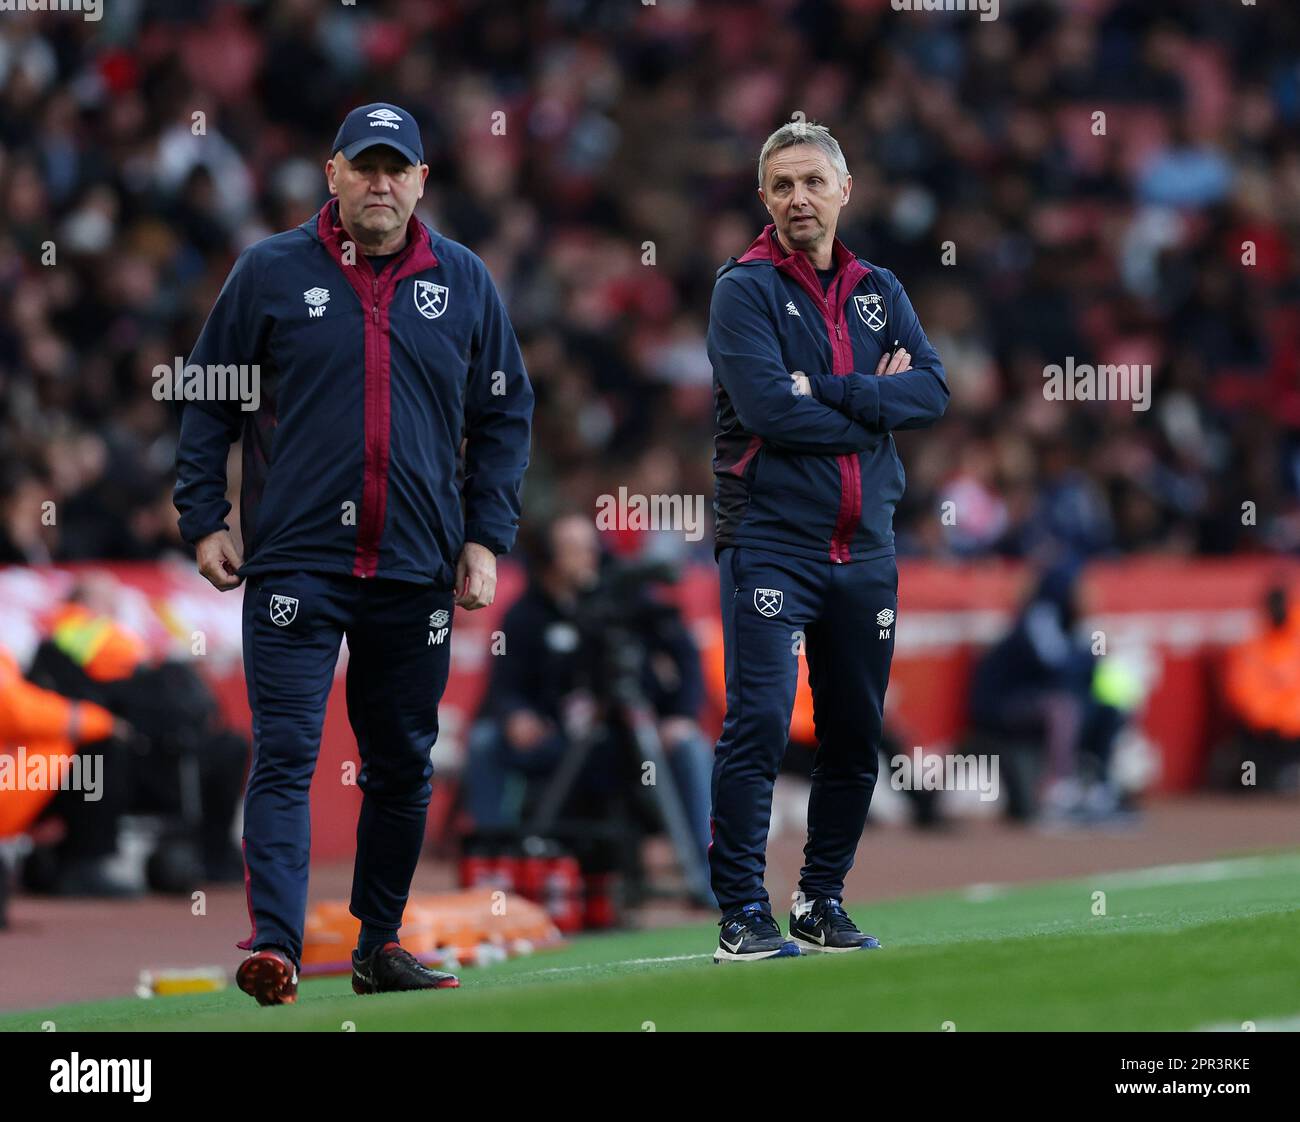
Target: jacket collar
(416, 256)
(848, 269)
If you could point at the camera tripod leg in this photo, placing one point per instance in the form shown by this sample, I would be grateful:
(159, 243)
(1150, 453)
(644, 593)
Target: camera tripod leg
(559, 786)
(650, 749)
(694, 868)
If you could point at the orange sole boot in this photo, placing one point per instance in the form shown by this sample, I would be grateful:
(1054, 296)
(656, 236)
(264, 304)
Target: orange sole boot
(268, 976)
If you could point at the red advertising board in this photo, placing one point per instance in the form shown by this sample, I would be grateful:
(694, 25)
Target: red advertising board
(1171, 619)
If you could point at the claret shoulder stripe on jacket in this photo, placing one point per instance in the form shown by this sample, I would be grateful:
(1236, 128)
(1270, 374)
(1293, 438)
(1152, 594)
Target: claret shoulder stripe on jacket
(815, 476)
(368, 385)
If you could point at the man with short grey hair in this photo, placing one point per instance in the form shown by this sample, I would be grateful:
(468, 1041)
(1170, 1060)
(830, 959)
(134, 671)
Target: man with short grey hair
(818, 356)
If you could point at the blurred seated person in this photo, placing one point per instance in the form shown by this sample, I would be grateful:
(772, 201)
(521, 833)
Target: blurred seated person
(179, 751)
(1036, 688)
(40, 733)
(1263, 694)
(566, 637)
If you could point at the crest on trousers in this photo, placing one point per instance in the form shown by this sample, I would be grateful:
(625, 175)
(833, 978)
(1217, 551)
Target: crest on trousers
(284, 609)
(871, 310)
(768, 600)
(430, 299)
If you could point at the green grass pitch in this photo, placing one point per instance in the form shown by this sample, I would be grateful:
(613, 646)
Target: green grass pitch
(1178, 948)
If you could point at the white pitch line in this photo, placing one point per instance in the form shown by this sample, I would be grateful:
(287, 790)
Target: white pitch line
(1275, 1024)
(621, 962)
(1192, 873)
(1202, 871)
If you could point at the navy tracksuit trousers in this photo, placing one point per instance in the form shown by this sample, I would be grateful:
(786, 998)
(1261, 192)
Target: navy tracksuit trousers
(841, 616)
(399, 645)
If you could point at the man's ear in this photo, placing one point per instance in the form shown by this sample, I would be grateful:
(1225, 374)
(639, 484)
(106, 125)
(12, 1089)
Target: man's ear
(330, 172)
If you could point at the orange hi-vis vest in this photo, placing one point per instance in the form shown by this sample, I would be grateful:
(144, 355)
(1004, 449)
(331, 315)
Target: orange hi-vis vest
(47, 727)
(99, 645)
(1263, 679)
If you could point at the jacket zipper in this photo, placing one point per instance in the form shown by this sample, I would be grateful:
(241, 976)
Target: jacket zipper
(371, 524)
(376, 449)
(849, 463)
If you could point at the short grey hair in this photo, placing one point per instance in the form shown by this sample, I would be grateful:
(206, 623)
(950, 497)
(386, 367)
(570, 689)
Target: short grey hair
(802, 132)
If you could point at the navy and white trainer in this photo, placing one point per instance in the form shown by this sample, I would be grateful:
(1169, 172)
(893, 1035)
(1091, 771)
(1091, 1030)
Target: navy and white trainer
(751, 935)
(822, 926)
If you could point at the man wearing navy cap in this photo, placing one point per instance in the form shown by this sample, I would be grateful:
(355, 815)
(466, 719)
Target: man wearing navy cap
(382, 469)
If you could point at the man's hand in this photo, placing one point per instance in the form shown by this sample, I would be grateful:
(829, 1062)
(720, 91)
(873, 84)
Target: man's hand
(476, 577)
(901, 361)
(218, 559)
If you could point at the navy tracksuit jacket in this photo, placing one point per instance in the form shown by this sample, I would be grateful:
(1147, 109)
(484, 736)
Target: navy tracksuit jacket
(805, 493)
(355, 504)
(368, 385)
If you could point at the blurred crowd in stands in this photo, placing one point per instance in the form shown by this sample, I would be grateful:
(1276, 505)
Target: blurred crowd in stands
(1092, 181)
(602, 159)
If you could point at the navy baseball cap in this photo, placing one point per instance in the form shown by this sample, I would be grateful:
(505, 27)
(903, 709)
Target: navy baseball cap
(379, 123)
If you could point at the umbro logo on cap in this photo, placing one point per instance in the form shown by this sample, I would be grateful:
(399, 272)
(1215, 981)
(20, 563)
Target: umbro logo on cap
(379, 123)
